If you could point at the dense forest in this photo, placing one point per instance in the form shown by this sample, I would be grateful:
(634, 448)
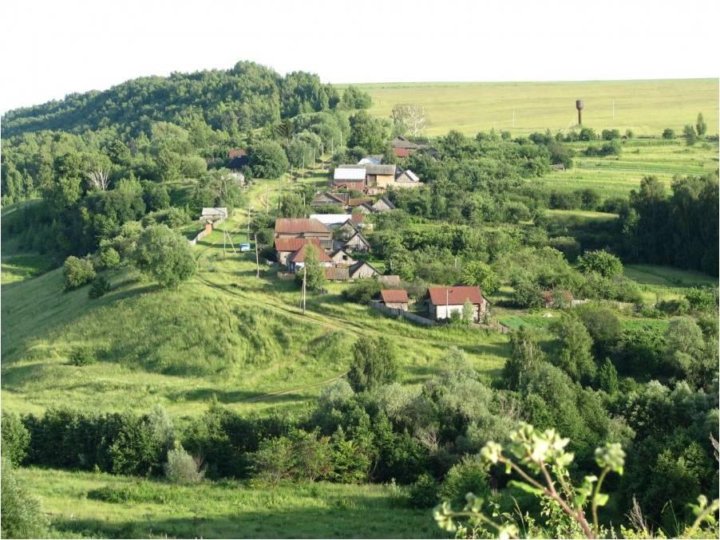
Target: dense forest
(105, 179)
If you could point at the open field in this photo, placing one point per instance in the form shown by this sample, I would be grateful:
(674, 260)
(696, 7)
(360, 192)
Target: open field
(101, 505)
(646, 107)
(615, 176)
(665, 283)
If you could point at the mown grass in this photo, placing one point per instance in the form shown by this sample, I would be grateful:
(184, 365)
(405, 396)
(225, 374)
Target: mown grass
(646, 107)
(659, 283)
(106, 506)
(22, 266)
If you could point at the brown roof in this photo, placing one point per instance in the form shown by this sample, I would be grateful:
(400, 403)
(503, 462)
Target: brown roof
(401, 152)
(236, 152)
(299, 226)
(358, 201)
(394, 296)
(454, 296)
(293, 244)
(357, 217)
(337, 273)
(300, 254)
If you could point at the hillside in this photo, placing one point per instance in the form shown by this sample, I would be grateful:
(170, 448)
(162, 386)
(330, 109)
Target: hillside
(646, 107)
(244, 97)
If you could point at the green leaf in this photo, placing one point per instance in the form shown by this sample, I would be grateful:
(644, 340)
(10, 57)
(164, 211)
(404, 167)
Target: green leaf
(527, 488)
(601, 499)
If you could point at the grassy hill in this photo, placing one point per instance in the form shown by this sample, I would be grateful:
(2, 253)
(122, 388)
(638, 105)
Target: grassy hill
(646, 107)
(224, 334)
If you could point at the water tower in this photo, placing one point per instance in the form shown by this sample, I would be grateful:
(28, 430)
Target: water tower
(579, 105)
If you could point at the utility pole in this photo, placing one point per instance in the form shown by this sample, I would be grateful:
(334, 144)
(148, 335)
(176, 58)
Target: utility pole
(304, 286)
(257, 259)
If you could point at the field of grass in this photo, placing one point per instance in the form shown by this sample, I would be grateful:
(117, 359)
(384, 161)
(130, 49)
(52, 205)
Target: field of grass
(224, 334)
(100, 505)
(665, 283)
(615, 176)
(646, 107)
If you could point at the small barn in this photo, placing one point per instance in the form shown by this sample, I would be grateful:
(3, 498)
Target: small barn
(356, 242)
(383, 204)
(342, 258)
(337, 273)
(395, 298)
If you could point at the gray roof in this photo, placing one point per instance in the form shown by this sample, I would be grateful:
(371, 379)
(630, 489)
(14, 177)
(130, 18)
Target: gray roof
(349, 172)
(381, 169)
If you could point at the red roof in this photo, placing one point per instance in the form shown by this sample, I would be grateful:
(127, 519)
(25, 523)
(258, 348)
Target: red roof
(357, 217)
(300, 254)
(293, 244)
(394, 296)
(455, 296)
(299, 226)
(402, 152)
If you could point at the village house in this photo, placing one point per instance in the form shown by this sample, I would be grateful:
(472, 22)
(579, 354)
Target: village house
(403, 148)
(362, 270)
(329, 199)
(285, 247)
(237, 158)
(304, 228)
(296, 261)
(379, 177)
(356, 242)
(337, 273)
(395, 298)
(383, 204)
(342, 258)
(351, 177)
(444, 301)
(407, 179)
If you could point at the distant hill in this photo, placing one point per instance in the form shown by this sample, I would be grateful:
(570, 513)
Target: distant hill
(244, 97)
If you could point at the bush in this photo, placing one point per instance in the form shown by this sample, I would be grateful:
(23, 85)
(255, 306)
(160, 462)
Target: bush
(108, 257)
(610, 134)
(678, 306)
(164, 255)
(82, 357)
(468, 476)
(424, 492)
(77, 272)
(15, 438)
(181, 467)
(690, 135)
(362, 291)
(601, 262)
(668, 134)
(268, 160)
(21, 513)
(374, 363)
(587, 134)
(99, 287)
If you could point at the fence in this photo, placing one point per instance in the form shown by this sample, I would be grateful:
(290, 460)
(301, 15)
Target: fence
(402, 313)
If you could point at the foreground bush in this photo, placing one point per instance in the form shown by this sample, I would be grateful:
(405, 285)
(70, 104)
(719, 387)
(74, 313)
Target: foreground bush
(21, 514)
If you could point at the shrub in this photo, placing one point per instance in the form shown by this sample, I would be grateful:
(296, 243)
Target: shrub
(678, 306)
(424, 492)
(362, 291)
(99, 287)
(77, 272)
(15, 438)
(587, 134)
(468, 476)
(610, 134)
(690, 135)
(21, 513)
(668, 133)
(82, 357)
(702, 299)
(108, 257)
(374, 363)
(268, 160)
(181, 467)
(601, 262)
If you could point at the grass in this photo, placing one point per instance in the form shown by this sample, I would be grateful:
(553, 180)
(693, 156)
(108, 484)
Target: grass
(665, 283)
(22, 266)
(79, 505)
(224, 334)
(615, 176)
(646, 107)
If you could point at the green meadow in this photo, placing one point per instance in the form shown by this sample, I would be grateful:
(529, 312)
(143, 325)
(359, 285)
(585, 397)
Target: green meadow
(646, 107)
(98, 505)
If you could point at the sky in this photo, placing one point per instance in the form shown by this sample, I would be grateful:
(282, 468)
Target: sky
(51, 48)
